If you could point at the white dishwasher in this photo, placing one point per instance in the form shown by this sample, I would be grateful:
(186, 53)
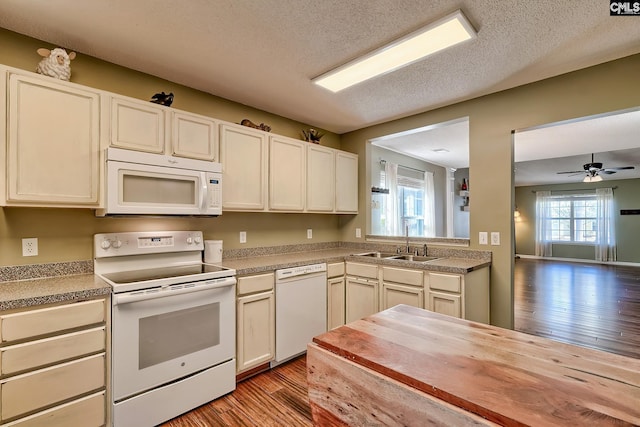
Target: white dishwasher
(301, 308)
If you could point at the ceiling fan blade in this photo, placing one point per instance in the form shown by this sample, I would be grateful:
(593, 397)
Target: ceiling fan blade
(607, 171)
(576, 172)
(620, 168)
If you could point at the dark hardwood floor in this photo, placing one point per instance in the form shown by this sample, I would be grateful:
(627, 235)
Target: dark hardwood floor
(271, 399)
(591, 305)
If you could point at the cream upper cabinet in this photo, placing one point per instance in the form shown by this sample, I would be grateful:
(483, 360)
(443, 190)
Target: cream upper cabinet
(346, 182)
(135, 124)
(53, 143)
(194, 136)
(287, 174)
(321, 183)
(244, 158)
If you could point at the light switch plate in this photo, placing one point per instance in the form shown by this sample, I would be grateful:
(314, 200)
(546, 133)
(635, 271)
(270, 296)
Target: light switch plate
(358, 233)
(309, 233)
(483, 238)
(495, 238)
(243, 237)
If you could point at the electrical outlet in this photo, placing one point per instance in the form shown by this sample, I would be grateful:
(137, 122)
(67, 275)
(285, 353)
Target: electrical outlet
(358, 233)
(30, 247)
(483, 238)
(309, 233)
(243, 237)
(495, 238)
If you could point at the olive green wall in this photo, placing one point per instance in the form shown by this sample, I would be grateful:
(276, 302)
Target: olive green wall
(626, 196)
(607, 87)
(66, 234)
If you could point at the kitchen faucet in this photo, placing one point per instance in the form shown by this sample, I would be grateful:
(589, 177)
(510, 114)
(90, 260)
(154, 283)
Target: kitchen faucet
(406, 232)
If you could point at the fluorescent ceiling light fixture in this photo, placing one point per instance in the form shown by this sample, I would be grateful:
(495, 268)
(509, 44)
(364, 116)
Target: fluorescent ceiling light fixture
(444, 33)
(589, 178)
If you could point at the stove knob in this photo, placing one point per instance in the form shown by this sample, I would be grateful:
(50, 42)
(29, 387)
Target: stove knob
(189, 240)
(116, 244)
(198, 240)
(105, 244)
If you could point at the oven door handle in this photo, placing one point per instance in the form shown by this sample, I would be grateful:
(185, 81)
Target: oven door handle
(127, 298)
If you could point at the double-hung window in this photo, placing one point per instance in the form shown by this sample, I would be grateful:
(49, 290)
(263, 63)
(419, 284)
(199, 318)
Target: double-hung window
(572, 219)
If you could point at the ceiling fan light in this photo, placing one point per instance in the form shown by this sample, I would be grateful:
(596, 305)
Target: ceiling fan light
(595, 178)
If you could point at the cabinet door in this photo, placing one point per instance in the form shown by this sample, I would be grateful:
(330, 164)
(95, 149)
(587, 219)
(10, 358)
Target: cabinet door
(335, 302)
(137, 125)
(54, 142)
(194, 136)
(346, 182)
(287, 174)
(394, 294)
(256, 330)
(320, 179)
(443, 303)
(362, 298)
(243, 154)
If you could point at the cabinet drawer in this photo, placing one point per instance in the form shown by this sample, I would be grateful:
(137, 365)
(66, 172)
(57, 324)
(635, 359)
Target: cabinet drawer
(251, 284)
(31, 355)
(444, 282)
(88, 411)
(335, 269)
(31, 323)
(362, 270)
(401, 275)
(38, 389)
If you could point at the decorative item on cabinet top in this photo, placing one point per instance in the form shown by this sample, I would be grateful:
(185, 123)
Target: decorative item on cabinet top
(162, 98)
(312, 135)
(261, 126)
(55, 63)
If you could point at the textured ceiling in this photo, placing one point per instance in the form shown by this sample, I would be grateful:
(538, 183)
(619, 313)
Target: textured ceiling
(263, 53)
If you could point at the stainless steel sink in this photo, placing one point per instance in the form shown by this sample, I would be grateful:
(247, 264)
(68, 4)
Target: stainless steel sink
(416, 258)
(376, 254)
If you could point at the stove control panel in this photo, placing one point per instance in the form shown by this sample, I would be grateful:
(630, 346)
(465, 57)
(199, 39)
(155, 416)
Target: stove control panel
(146, 242)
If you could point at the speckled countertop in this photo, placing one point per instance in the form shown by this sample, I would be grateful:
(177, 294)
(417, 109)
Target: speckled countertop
(31, 285)
(259, 264)
(26, 293)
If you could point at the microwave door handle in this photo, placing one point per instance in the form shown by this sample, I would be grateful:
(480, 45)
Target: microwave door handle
(204, 192)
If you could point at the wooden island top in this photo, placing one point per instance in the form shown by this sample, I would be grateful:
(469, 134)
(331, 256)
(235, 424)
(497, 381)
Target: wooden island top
(408, 366)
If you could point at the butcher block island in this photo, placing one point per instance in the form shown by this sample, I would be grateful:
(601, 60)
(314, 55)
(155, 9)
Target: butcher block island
(409, 367)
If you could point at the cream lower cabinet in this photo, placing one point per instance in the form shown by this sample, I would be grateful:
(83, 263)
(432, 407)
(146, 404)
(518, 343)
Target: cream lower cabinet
(244, 156)
(401, 286)
(335, 295)
(459, 295)
(362, 291)
(53, 143)
(53, 362)
(255, 321)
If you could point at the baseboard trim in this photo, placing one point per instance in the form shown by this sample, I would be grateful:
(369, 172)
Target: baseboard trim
(585, 261)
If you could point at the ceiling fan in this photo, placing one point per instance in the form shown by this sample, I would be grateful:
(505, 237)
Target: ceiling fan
(594, 169)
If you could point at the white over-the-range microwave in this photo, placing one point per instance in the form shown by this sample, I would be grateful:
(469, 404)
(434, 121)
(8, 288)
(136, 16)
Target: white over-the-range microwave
(140, 183)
